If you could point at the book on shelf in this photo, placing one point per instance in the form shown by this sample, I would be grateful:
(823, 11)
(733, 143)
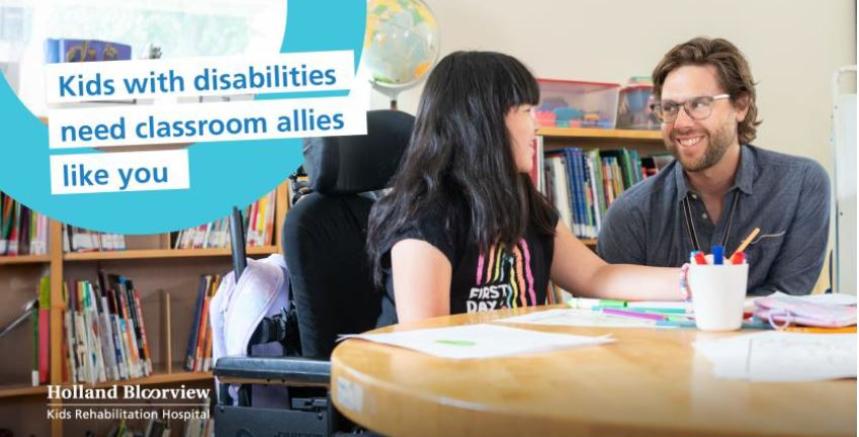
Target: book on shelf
(104, 330)
(22, 230)
(43, 330)
(258, 223)
(156, 428)
(40, 311)
(84, 50)
(199, 427)
(583, 183)
(198, 354)
(77, 239)
(160, 427)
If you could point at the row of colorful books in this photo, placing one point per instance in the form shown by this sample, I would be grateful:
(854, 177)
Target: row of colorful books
(77, 239)
(582, 184)
(25, 232)
(154, 428)
(198, 354)
(194, 427)
(258, 224)
(105, 332)
(22, 230)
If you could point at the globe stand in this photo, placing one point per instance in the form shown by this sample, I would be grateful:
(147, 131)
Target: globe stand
(389, 92)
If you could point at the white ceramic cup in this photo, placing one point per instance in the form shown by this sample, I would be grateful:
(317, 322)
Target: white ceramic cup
(718, 294)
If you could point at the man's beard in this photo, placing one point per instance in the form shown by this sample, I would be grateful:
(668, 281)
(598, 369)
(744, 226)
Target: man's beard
(717, 145)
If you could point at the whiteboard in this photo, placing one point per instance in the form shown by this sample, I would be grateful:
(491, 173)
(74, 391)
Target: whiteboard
(844, 141)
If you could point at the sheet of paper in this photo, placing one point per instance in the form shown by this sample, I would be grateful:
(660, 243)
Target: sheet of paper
(782, 356)
(577, 317)
(480, 341)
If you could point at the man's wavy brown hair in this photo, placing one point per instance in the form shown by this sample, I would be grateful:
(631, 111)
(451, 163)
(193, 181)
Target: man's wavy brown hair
(733, 71)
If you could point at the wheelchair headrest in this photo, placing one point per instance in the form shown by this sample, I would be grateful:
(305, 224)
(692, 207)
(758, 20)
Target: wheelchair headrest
(354, 164)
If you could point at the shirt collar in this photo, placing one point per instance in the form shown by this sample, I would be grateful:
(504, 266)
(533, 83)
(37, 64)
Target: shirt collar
(743, 180)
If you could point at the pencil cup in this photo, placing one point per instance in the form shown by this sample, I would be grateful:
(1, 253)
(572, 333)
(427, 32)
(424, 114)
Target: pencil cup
(718, 294)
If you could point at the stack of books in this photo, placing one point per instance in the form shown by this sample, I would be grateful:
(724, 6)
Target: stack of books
(258, 223)
(22, 230)
(77, 239)
(582, 184)
(198, 354)
(105, 331)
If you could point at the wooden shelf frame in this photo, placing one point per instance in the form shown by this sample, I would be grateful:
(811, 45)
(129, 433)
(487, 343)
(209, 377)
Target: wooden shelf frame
(154, 379)
(163, 253)
(25, 259)
(584, 133)
(16, 391)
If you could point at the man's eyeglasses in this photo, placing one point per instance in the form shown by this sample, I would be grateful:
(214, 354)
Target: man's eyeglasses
(698, 108)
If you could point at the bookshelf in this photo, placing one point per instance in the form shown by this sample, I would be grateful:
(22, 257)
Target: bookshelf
(646, 142)
(167, 281)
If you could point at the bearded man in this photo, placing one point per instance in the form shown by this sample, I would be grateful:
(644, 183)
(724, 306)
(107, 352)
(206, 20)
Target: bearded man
(720, 187)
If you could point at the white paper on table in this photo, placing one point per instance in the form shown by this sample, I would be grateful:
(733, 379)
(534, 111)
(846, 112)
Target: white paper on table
(579, 317)
(782, 356)
(480, 341)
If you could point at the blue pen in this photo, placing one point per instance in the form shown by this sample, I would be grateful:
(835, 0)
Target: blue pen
(718, 255)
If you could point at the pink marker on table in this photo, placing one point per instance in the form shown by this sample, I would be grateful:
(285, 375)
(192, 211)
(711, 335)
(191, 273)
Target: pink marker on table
(633, 314)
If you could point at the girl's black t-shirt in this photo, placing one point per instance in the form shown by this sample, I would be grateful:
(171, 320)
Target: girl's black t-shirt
(501, 277)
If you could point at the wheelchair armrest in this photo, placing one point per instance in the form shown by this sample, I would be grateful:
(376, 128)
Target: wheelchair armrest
(273, 370)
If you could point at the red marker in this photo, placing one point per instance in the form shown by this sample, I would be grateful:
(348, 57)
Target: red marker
(699, 258)
(738, 258)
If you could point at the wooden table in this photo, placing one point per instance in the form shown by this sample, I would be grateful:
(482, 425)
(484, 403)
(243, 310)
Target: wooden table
(648, 383)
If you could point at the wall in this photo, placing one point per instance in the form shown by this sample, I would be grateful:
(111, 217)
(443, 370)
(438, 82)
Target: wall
(793, 48)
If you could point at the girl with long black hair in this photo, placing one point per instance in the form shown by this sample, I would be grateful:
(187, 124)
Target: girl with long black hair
(463, 228)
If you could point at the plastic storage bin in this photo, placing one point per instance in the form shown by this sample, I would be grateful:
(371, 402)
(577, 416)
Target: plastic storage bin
(633, 111)
(569, 103)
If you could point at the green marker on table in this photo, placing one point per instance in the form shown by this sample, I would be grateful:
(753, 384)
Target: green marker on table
(588, 303)
(660, 310)
(457, 342)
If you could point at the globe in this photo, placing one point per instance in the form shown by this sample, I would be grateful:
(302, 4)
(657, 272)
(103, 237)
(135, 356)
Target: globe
(401, 44)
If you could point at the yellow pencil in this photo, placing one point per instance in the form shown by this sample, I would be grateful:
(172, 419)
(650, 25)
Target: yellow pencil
(746, 242)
